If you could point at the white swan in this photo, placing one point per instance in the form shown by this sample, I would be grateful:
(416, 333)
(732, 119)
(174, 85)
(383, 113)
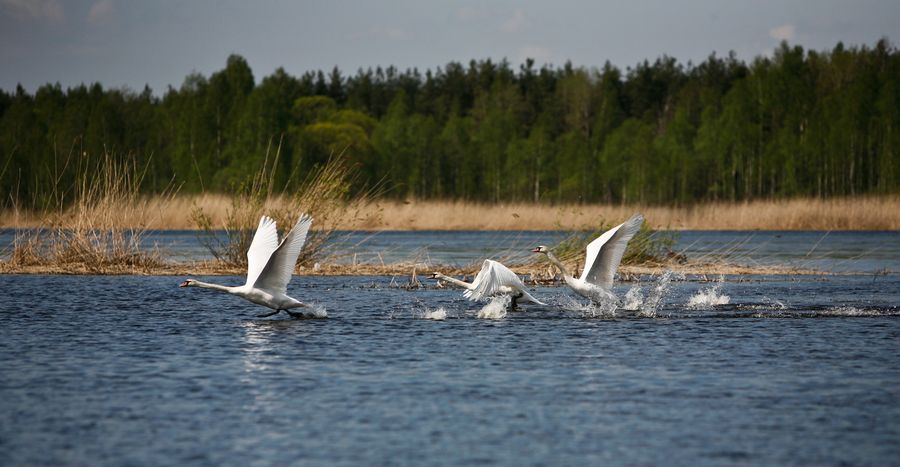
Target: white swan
(601, 260)
(269, 267)
(493, 279)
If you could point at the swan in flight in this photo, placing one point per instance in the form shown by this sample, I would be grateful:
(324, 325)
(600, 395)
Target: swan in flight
(493, 279)
(269, 267)
(602, 258)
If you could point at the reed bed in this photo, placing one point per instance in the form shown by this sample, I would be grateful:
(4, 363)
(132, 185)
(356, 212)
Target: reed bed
(96, 226)
(851, 213)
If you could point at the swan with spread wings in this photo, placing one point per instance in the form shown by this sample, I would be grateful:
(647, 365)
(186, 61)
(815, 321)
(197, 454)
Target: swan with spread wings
(602, 258)
(270, 265)
(494, 279)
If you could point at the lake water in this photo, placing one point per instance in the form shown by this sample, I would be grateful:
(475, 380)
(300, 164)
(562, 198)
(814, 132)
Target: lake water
(866, 252)
(131, 370)
(749, 370)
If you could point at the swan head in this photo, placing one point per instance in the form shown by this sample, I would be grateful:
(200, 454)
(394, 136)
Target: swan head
(188, 283)
(541, 249)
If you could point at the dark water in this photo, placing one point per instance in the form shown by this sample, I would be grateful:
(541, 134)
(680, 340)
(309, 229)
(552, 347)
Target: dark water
(133, 370)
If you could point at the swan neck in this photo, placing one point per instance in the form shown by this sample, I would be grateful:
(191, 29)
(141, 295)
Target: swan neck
(455, 281)
(207, 285)
(556, 262)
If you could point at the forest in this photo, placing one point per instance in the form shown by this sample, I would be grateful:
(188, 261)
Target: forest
(798, 123)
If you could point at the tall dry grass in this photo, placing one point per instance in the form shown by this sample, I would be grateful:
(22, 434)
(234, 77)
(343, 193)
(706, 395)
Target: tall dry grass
(95, 226)
(852, 213)
(323, 194)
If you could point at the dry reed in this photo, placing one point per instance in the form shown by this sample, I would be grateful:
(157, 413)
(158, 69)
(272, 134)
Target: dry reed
(97, 226)
(323, 194)
(852, 213)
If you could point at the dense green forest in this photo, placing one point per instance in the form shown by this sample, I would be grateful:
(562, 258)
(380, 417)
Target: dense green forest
(799, 123)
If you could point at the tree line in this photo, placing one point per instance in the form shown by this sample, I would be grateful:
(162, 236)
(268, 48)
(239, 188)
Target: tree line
(798, 123)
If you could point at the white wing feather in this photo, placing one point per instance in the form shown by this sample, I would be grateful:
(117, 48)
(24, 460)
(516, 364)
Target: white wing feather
(264, 243)
(277, 273)
(492, 277)
(604, 254)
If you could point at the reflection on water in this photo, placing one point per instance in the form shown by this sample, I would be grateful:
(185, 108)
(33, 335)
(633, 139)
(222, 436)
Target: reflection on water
(134, 370)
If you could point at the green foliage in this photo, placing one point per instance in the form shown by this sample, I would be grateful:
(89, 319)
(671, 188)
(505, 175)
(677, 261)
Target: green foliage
(801, 123)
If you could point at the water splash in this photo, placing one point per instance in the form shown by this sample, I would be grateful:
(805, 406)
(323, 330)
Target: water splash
(710, 296)
(774, 303)
(601, 308)
(659, 291)
(496, 308)
(847, 310)
(312, 311)
(438, 315)
(633, 299)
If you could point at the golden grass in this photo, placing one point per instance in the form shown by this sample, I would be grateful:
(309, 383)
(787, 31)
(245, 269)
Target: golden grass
(857, 213)
(854, 213)
(99, 232)
(323, 194)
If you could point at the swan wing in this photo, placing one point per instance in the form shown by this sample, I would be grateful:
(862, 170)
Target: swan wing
(277, 273)
(264, 243)
(491, 278)
(605, 253)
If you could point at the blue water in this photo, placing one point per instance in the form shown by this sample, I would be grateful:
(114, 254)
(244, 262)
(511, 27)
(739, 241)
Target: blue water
(822, 251)
(867, 252)
(132, 370)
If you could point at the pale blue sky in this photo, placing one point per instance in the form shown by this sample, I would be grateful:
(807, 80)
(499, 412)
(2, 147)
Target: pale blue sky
(130, 43)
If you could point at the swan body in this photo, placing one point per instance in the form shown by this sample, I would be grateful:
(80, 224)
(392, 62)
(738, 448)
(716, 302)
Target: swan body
(493, 279)
(602, 258)
(270, 265)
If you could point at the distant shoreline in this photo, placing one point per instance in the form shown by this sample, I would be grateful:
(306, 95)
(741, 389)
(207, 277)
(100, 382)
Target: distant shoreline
(403, 272)
(859, 213)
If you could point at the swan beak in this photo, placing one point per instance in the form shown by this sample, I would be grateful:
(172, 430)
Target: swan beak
(185, 284)
(434, 275)
(536, 250)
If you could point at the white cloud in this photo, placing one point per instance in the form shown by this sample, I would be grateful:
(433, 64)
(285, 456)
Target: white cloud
(101, 11)
(539, 53)
(516, 23)
(784, 32)
(50, 10)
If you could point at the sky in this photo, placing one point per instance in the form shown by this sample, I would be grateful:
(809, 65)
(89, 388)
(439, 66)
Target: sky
(134, 43)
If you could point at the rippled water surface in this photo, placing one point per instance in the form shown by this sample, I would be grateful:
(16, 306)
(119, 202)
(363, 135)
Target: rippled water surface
(133, 370)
